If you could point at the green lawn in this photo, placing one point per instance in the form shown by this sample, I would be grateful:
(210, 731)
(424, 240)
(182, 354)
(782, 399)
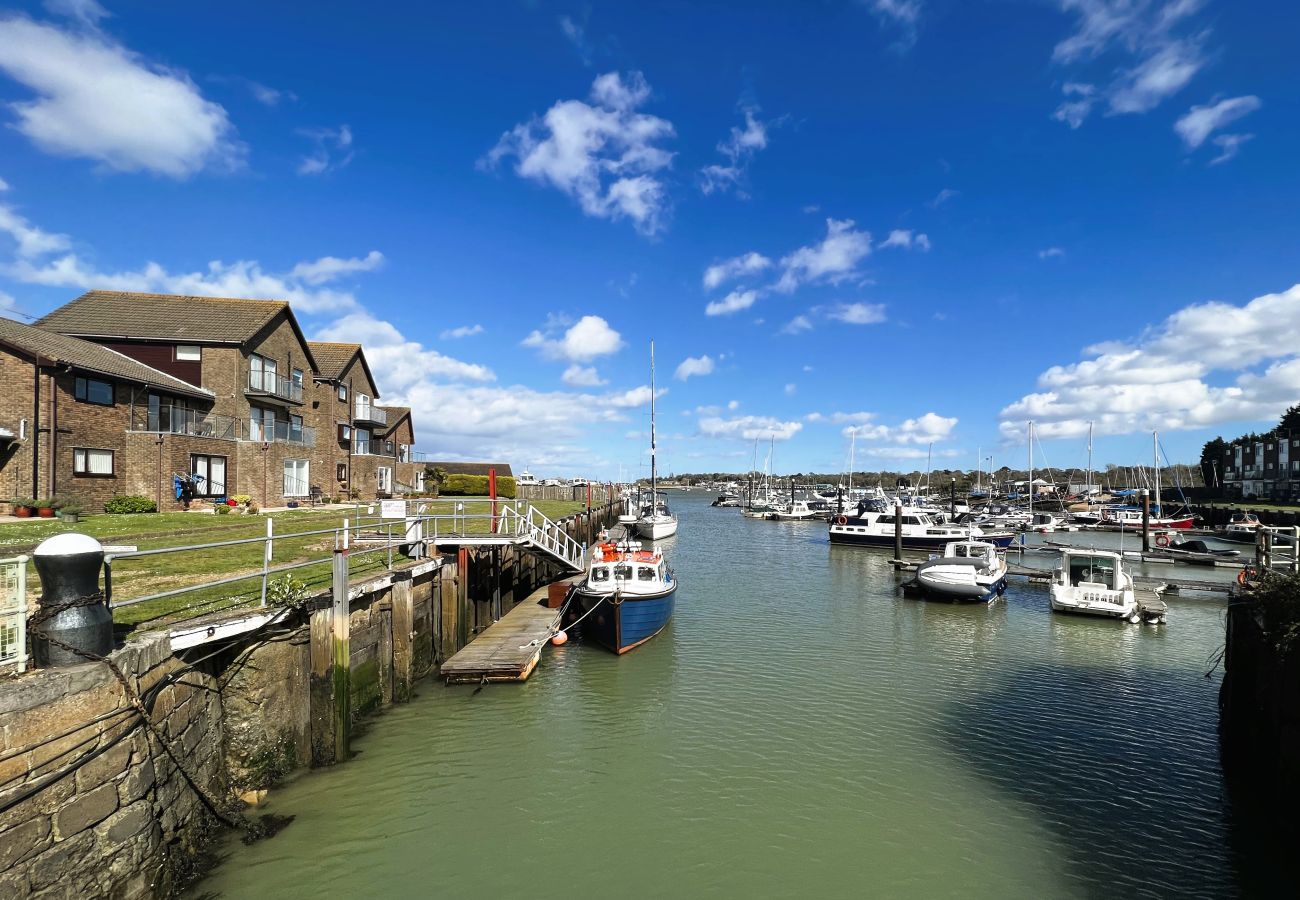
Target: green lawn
(152, 574)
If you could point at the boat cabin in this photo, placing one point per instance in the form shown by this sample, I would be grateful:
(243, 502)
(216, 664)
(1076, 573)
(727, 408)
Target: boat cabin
(625, 567)
(1093, 568)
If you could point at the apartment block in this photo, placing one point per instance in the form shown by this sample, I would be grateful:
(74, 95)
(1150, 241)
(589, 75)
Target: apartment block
(1263, 468)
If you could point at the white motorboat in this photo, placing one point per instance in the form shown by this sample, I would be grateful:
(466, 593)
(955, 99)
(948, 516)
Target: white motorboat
(968, 570)
(1094, 582)
(873, 524)
(793, 510)
(1242, 528)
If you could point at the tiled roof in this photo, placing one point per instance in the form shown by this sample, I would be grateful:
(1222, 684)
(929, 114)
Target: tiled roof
(90, 357)
(332, 358)
(162, 317)
(395, 415)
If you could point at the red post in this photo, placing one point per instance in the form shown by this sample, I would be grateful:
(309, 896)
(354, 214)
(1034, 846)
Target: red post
(492, 492)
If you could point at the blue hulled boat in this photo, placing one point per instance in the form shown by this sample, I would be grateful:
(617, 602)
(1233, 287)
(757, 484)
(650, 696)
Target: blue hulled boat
(627, 597)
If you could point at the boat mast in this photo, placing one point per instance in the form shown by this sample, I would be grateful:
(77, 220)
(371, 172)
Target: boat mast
(653, 470)
(1155, 465)
(1087, 484)
(928, 451)
(1031, 471)
(853, 446)
(979, 465)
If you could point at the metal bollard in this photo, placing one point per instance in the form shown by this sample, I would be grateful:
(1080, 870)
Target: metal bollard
(69, 565)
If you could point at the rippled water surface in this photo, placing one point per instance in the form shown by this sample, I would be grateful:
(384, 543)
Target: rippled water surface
(799, 730)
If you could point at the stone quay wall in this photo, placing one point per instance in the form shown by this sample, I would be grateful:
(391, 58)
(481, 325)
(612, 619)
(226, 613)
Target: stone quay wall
(92, 803)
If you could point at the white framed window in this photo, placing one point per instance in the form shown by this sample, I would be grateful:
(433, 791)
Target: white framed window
(261, 424)
(343, 392)
(92, 463)
(385, 475)
(212, 471)
(189, 353)
(295, 478)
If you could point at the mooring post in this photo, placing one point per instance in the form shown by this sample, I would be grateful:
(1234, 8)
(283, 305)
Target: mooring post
(1146, 521)
(341, 645)
(492, 493)
(898, 529)
(266, 556)
(952, 497)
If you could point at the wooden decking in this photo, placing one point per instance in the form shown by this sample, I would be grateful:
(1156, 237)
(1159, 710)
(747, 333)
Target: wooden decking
(508, 649)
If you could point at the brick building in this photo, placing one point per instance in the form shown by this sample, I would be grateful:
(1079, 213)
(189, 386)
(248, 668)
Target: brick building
(69, 412)
(1265, 467)
(227, 390)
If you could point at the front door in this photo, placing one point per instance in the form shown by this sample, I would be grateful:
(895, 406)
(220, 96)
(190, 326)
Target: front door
(385, 480)
(295, 478)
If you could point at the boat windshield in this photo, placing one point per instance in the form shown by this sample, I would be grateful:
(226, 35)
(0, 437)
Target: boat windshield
(645, 573)
(600, 573)
(623, 573)
(1092, 569)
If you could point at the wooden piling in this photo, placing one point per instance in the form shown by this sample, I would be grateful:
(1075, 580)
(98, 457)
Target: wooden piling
(403, 633)
(898, 530)
(1146, 521)
(341, 645)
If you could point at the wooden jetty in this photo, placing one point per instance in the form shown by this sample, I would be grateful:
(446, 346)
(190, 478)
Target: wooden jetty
(508, 649)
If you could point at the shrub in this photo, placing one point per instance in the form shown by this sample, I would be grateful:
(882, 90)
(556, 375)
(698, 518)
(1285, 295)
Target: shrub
(1277, 597)
(130, 503)
(241, 499)
(221, 509)
(70, 507)
(476, 486)
(25, 501)
(47, 503)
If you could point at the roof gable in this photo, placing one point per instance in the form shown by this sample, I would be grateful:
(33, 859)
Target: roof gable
(90, 357)
(334, 359)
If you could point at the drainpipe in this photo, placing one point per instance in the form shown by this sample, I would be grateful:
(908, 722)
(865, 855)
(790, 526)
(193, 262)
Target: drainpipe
(36, 423)
(52, 463)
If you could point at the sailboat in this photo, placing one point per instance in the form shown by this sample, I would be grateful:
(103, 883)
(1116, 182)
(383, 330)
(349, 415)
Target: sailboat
(656, 521)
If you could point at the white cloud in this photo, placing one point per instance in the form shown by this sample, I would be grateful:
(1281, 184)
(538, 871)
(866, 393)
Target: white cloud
(1139, 32)
(397, 362)
(97, 100)
(590, 337)
(797, 325)
(732, 303)
(694, 365)
(462, 331)
(834, 259)
(88, 12)
(902, 15)
(1162, 381)
(331, 150)
(908, 453)
(576, 35)
(1228, 145)
(942, 197)
(328, 268)
(901, 237)
(748, 427)
(1200, 121)
(857, 313)
(1051, 253)
(733, 405)
(603, 154)
(739, 149)
(930, 428)
(31, 241)
(791, 389)
(4, 185)
(736, 267)
(582, 376)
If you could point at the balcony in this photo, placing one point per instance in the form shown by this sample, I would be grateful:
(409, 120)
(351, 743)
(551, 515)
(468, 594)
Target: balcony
(266, 385)
(373, 447)
(191, 422)
(282, 433)
(417, 456)
(368, 412)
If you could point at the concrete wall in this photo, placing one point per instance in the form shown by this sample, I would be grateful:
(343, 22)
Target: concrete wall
(123, 823)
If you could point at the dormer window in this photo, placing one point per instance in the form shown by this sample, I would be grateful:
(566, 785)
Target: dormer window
(189, 353)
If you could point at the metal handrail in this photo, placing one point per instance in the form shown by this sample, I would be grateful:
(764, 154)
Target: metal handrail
(181, 420)
(368, 412)
(264, 382)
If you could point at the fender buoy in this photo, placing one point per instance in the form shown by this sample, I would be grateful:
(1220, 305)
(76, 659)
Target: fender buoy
(841, 520)
(559, 639)
(1162, 540)
(1242, 577)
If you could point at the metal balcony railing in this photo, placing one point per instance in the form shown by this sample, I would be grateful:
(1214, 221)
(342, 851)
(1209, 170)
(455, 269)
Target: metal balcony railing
(373, 447)
(272, 385)
(191, 422)
(281, 433)
(368, 412)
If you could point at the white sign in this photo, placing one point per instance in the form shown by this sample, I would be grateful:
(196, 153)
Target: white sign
(392, 509)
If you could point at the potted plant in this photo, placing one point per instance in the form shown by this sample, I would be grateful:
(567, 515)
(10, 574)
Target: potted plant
(46, 506)
(23, 507)
(69, 511)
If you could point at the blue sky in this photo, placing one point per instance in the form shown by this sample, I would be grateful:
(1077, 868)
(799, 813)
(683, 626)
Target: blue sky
(927, 220)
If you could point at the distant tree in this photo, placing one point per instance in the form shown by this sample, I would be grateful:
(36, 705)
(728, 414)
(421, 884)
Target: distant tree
(1212, 461)
(1290, 421)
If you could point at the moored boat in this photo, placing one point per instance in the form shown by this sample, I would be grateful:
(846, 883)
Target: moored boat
(1094, 582)
(627, 597)
(873, 524)
(968, 570)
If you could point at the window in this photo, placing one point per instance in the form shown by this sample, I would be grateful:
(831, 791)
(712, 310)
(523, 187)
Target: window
(1268, 465)
(189, 353)
(341, 471)
(645, 573)
(295, 429)
(600, 573)
(261, 425)
(92, 390)
(623, 573)
(92, 463)
(343, 392)
(295, 478)
(363, 440)
(297, 377)
(167, 414)
(261, 373)
(385, 476)
(209, 475)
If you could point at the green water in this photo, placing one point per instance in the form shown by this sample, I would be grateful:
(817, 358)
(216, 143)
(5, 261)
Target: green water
(800, 730)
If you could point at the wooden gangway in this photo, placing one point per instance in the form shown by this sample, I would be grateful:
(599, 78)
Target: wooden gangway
(510, 648)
